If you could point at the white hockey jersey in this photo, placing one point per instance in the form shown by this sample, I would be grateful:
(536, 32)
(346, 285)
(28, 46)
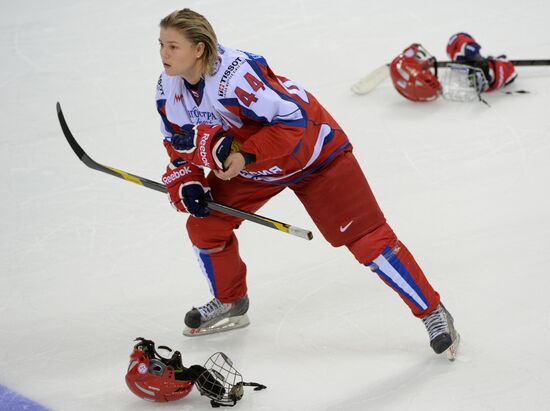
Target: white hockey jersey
(269, 116)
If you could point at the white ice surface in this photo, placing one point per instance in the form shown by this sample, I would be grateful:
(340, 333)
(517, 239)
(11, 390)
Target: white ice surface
(89, 262)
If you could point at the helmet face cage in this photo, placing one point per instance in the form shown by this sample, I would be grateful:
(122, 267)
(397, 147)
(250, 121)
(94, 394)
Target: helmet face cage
(221, 382)
(463, 83)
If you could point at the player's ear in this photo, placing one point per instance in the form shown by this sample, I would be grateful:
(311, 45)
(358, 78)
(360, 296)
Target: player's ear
(199, 49)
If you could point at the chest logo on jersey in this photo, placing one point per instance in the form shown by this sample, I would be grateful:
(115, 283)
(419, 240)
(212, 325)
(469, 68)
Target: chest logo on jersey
(227, 74)
(196, 116)
(178, 98)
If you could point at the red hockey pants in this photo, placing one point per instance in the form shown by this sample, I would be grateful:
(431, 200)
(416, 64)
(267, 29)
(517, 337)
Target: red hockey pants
(340, 202)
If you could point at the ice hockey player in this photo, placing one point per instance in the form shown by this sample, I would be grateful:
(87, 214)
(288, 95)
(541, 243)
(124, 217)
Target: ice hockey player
(415, 76)
(225, 110)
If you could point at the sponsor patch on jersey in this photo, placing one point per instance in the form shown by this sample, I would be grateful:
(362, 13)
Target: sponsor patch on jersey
(159, 86)
(227, 74)
(201, 117)
(257, 175)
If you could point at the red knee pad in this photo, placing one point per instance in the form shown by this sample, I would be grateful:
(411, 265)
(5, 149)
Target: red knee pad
(368, 247)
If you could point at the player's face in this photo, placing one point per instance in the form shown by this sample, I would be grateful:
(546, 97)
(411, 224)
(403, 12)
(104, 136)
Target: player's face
(179, 56)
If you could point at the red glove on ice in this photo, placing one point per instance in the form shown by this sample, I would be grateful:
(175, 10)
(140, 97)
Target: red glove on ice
(501, 72)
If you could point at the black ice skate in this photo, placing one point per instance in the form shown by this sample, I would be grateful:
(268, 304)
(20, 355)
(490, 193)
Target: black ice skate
(443, 336)
(216, 317)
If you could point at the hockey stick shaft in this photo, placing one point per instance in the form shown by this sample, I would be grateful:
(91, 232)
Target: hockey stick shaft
(517, 63)
(212, 205)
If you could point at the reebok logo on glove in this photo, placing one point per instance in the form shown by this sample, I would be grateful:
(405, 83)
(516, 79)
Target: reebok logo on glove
(202, 150)
(187, 188)
(202, 145)
(176, 174)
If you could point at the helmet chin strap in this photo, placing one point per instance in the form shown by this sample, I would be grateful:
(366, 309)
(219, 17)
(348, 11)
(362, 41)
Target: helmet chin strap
(238, 393)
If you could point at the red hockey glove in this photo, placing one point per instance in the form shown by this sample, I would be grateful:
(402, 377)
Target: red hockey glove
(202, 145)
(187, 188)
(462, 47)
(501, 72)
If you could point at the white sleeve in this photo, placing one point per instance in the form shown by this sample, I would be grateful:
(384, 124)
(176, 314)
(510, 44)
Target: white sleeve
(161, 106)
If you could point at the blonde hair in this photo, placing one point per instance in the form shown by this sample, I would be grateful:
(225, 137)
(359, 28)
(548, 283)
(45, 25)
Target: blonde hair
(196, 29)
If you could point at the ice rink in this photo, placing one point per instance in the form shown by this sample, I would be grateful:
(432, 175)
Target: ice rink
(89, 262)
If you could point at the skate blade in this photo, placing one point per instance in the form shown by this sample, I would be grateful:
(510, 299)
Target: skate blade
(226, 324)
(453, 349)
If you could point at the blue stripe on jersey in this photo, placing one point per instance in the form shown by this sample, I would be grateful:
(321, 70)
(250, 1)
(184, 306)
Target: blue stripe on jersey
(167, 125)
(247, 112)
(329, 137)
(309, 170)
(297, 148)
(264, 121)
(388, 266)
(256, 57)
(208, 270)
(254, 65)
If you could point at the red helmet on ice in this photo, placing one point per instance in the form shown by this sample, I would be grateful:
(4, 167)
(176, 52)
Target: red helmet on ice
(155, 378)
(412, 76)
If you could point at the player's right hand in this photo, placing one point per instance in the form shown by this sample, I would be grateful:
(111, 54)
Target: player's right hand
(187, 188)
(234, 164)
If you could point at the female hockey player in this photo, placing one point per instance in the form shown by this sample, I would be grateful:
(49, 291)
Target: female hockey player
(225, 109)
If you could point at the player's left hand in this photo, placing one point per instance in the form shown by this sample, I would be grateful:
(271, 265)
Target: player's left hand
(233, 165)
(203, 145)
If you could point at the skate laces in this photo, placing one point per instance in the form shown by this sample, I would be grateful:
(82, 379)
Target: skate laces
(213, 308)
(436, 322)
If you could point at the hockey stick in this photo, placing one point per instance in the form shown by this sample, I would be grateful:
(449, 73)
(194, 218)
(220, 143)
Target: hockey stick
(212, 205)
(375, 77)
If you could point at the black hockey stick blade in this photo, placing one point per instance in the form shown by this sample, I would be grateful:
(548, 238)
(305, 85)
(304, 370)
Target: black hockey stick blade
(255, 218)
(86, 159)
